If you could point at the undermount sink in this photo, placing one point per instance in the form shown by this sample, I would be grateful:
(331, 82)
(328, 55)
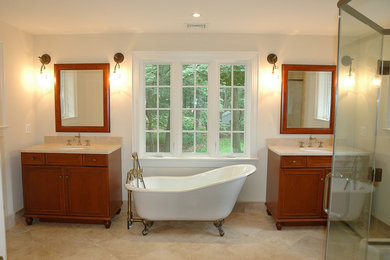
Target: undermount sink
(72, 147)
(315, 149)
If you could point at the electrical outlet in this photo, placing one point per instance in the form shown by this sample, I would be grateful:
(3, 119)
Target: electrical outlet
(28, 128)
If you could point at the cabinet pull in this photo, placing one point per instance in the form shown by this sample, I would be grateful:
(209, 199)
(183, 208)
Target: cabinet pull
(94, 159)
(326, 193)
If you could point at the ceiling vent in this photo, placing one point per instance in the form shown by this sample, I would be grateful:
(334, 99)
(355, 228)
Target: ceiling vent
(196, 26)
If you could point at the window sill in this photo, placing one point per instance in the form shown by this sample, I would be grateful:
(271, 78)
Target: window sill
(194, 162)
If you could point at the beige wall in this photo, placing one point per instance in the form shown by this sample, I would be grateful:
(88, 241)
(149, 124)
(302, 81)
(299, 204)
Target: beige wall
(101, 48)
(26, 102)
(19, 110)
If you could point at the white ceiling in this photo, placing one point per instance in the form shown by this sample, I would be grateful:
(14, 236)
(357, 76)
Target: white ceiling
(316, 17)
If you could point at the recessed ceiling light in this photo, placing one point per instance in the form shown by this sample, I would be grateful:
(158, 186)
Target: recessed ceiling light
(196, 15)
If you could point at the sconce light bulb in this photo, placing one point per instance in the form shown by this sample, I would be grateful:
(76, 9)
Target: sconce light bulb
(196, 15)
(349, 80)
(377, 81)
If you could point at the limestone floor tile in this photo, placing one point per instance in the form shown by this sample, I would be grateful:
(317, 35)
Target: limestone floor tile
(249, 234)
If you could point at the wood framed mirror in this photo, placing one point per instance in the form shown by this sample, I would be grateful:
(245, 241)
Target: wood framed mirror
(82, 97)
(308, 99)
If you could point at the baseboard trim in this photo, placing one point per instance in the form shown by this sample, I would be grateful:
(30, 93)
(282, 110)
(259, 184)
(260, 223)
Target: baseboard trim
(12, 219)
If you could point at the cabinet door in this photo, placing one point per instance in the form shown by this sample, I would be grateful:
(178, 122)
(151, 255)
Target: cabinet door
(87, 191)
(301, 193)
(43, 190)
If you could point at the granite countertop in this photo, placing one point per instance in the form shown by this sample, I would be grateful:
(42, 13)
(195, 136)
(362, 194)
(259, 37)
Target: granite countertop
(295, 150)
(62, 148)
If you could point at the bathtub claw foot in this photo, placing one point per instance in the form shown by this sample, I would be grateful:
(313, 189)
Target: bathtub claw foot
(218, 224)
(147, 225)
(145, 231)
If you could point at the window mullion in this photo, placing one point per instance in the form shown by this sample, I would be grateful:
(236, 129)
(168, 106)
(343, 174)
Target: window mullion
(213, 109)
(176, 109)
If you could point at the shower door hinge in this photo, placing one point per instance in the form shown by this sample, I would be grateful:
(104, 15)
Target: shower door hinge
(377, 173)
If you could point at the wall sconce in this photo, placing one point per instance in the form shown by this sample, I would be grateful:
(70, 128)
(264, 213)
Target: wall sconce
(118, 58)
(349, 78)
(271, 80)
(44, 59)
(117, 78)
(44, 80)
(272, 59)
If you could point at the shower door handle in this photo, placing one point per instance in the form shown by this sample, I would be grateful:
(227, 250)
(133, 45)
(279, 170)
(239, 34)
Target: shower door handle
(326, 193)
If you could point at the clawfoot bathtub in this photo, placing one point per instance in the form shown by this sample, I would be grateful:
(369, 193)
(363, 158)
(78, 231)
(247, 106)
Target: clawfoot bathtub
(208, 196)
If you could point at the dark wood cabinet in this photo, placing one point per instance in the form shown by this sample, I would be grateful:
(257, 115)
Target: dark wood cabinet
(295, 189)
(85, 188)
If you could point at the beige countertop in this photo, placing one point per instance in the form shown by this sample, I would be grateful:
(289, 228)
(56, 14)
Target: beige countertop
(289, 150)
(62, 148)
(295, 150)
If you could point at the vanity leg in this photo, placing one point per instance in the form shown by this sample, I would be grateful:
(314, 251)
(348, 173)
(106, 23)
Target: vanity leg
(119, 211)
(29, 221)
(107, 224)
(279, 225)
(269, 212)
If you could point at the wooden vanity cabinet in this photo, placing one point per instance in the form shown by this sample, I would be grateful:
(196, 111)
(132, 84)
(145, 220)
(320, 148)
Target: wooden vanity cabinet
(85, 188)
(295, 189)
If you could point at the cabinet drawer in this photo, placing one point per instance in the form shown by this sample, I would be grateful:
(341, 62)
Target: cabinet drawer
(95, 159)
(293, 161)
(319, 161)
(33, 158)
(63, 159)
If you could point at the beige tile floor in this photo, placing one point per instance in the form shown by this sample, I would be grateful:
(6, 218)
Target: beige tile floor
(249, 234)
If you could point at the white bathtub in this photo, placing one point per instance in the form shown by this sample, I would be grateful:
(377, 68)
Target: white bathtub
(348, 199)
(206, 196)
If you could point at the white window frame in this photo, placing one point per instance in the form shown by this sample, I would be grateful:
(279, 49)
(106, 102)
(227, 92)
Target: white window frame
(176, 60)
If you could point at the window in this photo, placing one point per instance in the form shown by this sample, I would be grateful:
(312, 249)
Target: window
(323, 95)
(232, 109)
(68, 94)
(157, 108)
(194, 104)
(195, 108)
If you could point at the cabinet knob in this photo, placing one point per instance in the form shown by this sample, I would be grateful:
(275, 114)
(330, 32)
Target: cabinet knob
(32, 158)
(94, 159)
(322, 179)
(294, 161)
(66, 177)
(60, 176)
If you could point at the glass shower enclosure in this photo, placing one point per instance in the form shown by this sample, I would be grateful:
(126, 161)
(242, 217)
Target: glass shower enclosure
(358, 204)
